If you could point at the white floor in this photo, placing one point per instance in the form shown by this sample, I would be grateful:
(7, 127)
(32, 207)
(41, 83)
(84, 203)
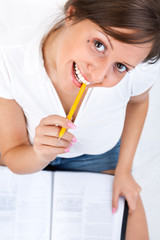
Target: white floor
(146, 166)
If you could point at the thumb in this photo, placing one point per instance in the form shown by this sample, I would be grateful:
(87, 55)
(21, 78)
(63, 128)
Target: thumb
(115, 198)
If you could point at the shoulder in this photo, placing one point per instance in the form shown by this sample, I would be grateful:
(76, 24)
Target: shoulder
(21, 37)
(20, 47)
(17, 36)
(13, 44)
(143, 77)
(148, 71)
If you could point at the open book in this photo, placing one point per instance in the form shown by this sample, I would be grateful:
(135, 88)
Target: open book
(58, 206)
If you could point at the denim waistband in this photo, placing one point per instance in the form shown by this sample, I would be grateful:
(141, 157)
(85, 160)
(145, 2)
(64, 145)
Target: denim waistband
(87, 162)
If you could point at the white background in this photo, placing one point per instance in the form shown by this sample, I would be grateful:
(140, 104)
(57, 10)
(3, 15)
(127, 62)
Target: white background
(146, 165)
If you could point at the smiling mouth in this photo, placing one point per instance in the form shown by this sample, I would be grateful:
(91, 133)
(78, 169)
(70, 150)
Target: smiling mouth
(78, 75)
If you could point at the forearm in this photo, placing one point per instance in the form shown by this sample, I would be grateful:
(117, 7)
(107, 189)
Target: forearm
(134, 122)
(23, 160)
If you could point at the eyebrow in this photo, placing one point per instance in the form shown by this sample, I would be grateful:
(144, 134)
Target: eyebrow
(110, 43)
(128, 64)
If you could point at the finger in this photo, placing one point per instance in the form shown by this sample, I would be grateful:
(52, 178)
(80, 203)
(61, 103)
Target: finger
(139, 189)
(53, 142)
(132, 202)
(53, 131)
(48, 150)
(115, 198)
(57, 121)
(68, 137)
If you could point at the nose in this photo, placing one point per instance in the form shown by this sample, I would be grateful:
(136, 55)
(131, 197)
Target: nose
(97, 72)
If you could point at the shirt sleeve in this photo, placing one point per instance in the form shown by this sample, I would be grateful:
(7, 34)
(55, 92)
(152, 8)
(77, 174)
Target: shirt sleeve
(5, 82)
(143, 77)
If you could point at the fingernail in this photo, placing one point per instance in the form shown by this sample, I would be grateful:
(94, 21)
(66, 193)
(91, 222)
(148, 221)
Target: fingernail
(74, 139)
(71, 144)
(113, 210)
(71, 125)
(67, 150)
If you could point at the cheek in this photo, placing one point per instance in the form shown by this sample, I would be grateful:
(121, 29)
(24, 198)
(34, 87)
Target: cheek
(112, 80)
(69, 53)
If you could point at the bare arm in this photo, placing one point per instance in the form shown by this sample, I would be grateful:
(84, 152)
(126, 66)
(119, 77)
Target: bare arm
(16, 150)
(135, 117)
(124, 183)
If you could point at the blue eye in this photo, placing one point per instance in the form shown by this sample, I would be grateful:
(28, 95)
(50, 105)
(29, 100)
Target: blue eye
(121, 68)
(99, 46)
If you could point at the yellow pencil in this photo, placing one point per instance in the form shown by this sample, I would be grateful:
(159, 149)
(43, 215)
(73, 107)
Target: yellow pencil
(73, 108)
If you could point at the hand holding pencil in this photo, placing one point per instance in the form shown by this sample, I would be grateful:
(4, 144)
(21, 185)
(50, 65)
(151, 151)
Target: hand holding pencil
(46, 145)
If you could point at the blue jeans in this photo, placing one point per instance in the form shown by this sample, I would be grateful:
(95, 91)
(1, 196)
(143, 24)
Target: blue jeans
(87, 162)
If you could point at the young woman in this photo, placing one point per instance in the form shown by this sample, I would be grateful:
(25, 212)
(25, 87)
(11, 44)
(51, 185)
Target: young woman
(106, 44)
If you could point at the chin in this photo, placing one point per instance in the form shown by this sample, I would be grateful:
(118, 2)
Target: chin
(69, 89)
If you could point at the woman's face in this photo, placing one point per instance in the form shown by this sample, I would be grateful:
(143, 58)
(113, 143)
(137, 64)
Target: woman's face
(84, 53)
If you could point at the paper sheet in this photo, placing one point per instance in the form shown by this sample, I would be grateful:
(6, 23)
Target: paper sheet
(24, 205)
(79, 213)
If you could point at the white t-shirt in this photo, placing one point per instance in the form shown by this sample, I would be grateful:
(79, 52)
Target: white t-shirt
(101, 116)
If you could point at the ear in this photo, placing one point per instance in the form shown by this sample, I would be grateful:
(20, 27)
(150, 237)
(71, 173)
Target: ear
(69, 15)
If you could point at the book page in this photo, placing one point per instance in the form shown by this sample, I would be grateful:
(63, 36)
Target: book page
(25, 203)
(82, 207)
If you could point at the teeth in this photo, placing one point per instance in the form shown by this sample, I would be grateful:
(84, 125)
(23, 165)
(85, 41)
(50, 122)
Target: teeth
(79, 76)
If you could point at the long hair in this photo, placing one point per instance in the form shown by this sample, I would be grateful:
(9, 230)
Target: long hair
(143, 16)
